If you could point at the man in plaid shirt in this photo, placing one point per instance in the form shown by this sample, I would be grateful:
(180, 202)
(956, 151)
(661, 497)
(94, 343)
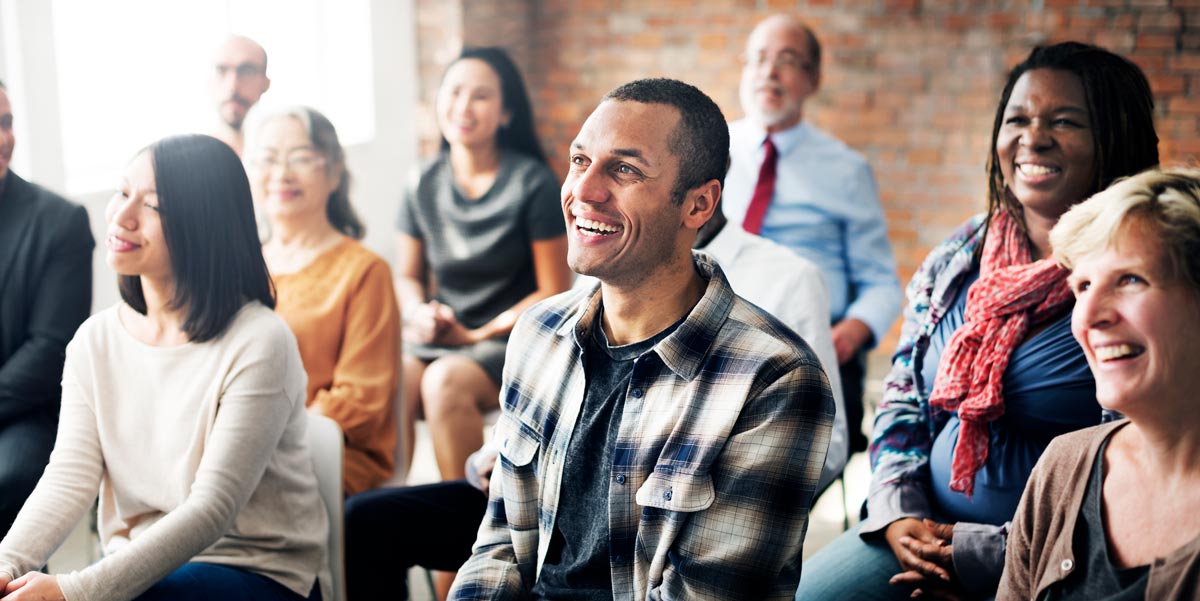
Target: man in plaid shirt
(660, 438)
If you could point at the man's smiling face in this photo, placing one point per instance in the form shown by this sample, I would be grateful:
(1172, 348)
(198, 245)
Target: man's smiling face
(621, 220)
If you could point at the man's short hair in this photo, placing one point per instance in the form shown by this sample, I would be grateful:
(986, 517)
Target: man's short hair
(700, 141)
(2, 86)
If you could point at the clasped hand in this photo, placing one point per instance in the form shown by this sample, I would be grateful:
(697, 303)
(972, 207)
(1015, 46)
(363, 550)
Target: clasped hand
(34, 586)
(435, 324)
(925, 551)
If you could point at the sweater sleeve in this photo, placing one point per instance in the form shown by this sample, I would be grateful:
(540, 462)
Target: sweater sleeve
(364, 375)
(67, 487)
(253, 410)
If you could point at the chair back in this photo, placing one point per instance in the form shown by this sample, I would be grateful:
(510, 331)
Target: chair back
(325, 443)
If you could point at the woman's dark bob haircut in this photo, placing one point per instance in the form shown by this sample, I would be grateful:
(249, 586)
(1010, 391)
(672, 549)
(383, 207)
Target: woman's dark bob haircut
(1119, 103)
(519, 134)
(208, 224)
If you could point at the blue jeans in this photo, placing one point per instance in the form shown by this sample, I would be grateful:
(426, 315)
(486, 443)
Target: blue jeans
(202, 581)
(850, 568)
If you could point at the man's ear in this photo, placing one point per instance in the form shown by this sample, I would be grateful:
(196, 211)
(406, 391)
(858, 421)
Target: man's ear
(700, 203)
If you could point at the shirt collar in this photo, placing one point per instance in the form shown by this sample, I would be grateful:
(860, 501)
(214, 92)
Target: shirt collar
(684, 351)
(727, 244)
(784, 140)
(3, 184)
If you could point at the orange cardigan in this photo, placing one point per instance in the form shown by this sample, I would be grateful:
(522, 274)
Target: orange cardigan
(342, 309)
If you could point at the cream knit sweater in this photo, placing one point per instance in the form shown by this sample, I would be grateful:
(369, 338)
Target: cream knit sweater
(198, 452)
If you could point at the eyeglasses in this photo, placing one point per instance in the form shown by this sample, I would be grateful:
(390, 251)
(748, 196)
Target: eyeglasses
(784, 61)
(242, 71)
(300, 162)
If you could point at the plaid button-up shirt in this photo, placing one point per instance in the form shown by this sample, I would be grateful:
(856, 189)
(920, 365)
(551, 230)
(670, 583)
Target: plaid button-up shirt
(720, 445)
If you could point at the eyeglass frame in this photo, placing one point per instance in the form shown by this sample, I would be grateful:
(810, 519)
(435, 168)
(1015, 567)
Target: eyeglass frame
(240, 70)
(299, 160)
(785, 59)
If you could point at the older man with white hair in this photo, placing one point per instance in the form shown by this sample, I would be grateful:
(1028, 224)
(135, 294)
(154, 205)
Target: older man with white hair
(794, 184)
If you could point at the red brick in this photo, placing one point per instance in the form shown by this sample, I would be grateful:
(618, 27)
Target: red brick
(1163, 85)
(646, 40)
(961, 21)
(1186, 147)
(1087, 21)
(1003, 19)
(1171, 20)
(1188, 106)
(1149, 62)
(1117, 41)
(713, 41)
(924, 157)
(1156, 41)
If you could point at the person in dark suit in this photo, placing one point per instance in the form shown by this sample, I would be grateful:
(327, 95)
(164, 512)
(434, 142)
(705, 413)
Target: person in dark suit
(46, 292)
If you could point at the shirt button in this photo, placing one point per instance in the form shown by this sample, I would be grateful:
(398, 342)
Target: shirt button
(667, 495)
(618, 558)
(620, 478)
(1067, 564)
(637, 393)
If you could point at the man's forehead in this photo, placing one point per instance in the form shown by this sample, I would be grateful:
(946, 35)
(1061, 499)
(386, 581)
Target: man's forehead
(780, 35)
(238, 51)
(618, 126)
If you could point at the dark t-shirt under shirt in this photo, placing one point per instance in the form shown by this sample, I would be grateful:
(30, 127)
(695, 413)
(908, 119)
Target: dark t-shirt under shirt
(577, 562)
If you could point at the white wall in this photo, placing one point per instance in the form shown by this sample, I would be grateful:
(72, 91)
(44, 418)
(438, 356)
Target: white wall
(380, 167)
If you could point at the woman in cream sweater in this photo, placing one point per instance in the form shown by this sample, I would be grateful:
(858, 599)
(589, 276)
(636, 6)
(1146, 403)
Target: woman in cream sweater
(183, 408)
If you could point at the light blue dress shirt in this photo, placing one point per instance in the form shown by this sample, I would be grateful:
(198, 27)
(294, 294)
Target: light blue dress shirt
(826, 209)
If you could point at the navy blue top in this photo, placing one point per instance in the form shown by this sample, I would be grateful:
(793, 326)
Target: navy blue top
(1048, 390)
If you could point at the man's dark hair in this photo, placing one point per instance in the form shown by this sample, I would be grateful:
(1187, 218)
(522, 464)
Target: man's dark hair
(208, 224)
(520, 134)
(1120, 106)
(2, 86)
(700, 141)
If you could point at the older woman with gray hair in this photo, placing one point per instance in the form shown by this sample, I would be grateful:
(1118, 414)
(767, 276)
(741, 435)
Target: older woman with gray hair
(1110, 511)
(336, 295)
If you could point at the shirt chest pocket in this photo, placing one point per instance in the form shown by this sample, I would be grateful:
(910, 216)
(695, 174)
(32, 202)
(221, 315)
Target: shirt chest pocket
(517, 442)
(677, 492)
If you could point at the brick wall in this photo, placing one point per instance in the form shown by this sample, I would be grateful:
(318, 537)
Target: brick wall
(913, 84)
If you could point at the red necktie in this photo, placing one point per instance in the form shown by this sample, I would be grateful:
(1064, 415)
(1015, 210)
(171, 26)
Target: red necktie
(762, 190)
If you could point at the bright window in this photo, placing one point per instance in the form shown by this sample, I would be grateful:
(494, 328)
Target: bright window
(133, 71)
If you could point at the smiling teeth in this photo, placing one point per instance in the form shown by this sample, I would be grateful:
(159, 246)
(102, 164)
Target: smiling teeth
(596, 225)
(1036, 169)
(1117, 351)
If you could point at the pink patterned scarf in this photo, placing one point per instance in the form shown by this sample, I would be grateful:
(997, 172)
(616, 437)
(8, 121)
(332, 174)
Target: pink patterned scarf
(1011, 295)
